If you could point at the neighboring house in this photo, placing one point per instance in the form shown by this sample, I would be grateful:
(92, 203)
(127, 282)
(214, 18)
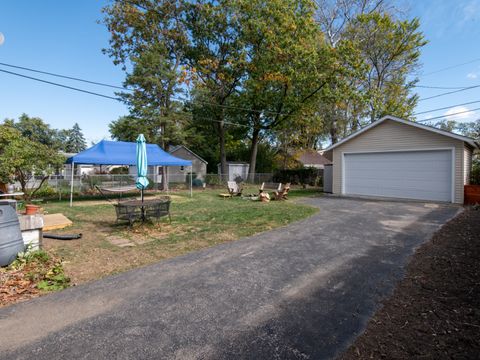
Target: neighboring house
(311, 158)
(236, 170)
(179, 173)
(402, 159)
(79, 169)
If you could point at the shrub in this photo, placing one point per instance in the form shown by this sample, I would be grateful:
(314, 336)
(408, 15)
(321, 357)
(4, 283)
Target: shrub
(197, 183)
(475, 174)
(45, 191)
(213, 179)
(310, 176)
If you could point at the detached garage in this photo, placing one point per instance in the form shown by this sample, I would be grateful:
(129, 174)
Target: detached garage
(402, 159)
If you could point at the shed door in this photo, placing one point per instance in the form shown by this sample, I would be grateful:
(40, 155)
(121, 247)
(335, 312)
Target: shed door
(423, 175)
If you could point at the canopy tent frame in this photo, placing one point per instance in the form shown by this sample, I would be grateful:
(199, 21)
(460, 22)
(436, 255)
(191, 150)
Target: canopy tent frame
(123, 153)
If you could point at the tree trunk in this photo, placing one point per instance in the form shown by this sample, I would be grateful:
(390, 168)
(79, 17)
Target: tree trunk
(221, 138)
(253, 154)
(334, 132)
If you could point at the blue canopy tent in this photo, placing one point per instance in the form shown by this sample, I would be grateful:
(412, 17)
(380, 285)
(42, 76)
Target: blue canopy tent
(122, 153)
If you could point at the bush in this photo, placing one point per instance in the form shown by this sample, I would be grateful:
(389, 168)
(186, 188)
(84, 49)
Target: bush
(123, 170)
(197, 183)
(475, 174)
(213, 179)
(187, 178)
(45, 191)
(305, 176)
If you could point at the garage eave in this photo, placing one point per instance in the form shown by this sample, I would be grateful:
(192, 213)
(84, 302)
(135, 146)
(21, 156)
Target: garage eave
(466, 139)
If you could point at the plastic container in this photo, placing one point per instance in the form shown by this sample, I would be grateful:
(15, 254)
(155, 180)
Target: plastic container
(11, 241)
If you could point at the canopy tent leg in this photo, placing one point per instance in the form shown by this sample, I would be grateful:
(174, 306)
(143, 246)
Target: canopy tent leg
(191, 181)
(166, 180)
(71, 184)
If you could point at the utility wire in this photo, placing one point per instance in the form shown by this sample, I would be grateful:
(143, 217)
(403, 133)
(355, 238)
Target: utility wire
(213, 104)
(447, 115)
(458, 89)
(64, 76)
(451, 67)
(447, 107)
(60, 85)
(449, 92)
(441, 87)
(109, 97)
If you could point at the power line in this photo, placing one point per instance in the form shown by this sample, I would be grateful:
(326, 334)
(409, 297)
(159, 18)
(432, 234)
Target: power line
(449, 92)
(451, 67)
(198, 101)
(117, 87)
(106, 96)
(447, 115)
(214, 104)
(63, 76)
(447, 107)
(60, 85)
(441, 87)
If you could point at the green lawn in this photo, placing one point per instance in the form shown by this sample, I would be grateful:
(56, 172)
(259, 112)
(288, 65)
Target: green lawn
(202, 221)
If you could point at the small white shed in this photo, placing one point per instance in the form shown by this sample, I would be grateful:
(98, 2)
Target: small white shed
(236, 170)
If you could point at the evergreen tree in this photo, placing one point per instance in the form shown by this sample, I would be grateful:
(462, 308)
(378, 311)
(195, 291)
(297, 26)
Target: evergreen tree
(76, 141)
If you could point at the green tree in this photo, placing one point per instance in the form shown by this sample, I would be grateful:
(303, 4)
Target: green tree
(391, 50)
(148, 38)
(75, 141)
(287, 67)
(22, 159)
(35, 129)
(215, 60)
(470, 129)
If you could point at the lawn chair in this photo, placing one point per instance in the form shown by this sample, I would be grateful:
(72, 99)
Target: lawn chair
(282, 193)
(234, 189)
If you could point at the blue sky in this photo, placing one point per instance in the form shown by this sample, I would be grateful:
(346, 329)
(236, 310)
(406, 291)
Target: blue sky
(64, 37)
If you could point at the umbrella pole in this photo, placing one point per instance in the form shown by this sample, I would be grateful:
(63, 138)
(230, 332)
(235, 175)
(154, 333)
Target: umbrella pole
(143, 208)
(71, 184)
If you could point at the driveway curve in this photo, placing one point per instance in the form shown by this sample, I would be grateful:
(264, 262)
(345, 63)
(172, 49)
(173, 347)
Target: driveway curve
(299, 292)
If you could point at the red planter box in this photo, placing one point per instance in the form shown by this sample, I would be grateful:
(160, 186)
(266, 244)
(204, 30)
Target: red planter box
(471, 194)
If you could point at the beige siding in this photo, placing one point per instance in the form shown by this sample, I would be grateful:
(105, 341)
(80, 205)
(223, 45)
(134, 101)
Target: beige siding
(467, 164)
(393, 136)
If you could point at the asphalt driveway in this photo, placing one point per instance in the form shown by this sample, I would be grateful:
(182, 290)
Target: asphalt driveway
(299, 292)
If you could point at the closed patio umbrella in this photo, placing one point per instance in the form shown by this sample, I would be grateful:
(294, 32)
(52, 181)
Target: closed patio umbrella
(142, 167)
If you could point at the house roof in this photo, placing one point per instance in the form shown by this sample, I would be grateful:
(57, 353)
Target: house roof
(468, 140)
(175, 148)
(310, 156)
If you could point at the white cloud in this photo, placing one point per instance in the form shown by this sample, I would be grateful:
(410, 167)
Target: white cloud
(472, 75)
(464, 116)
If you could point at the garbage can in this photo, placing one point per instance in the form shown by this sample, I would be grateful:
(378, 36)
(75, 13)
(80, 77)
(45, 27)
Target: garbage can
(11, 241)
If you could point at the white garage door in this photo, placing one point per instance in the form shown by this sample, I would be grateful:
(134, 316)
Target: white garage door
(424, 175)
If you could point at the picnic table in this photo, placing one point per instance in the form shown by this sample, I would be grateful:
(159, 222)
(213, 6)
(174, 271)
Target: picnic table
(133, 210)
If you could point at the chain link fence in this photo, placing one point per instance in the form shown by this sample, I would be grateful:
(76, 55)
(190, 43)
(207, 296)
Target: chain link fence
(58, 186)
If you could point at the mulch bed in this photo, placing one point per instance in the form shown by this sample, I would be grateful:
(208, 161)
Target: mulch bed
(434, 313)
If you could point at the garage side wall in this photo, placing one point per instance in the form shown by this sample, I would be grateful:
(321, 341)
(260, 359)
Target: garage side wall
(393, 136)
(467, 164)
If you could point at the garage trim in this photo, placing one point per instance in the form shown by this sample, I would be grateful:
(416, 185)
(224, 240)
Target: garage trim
(452, 149)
